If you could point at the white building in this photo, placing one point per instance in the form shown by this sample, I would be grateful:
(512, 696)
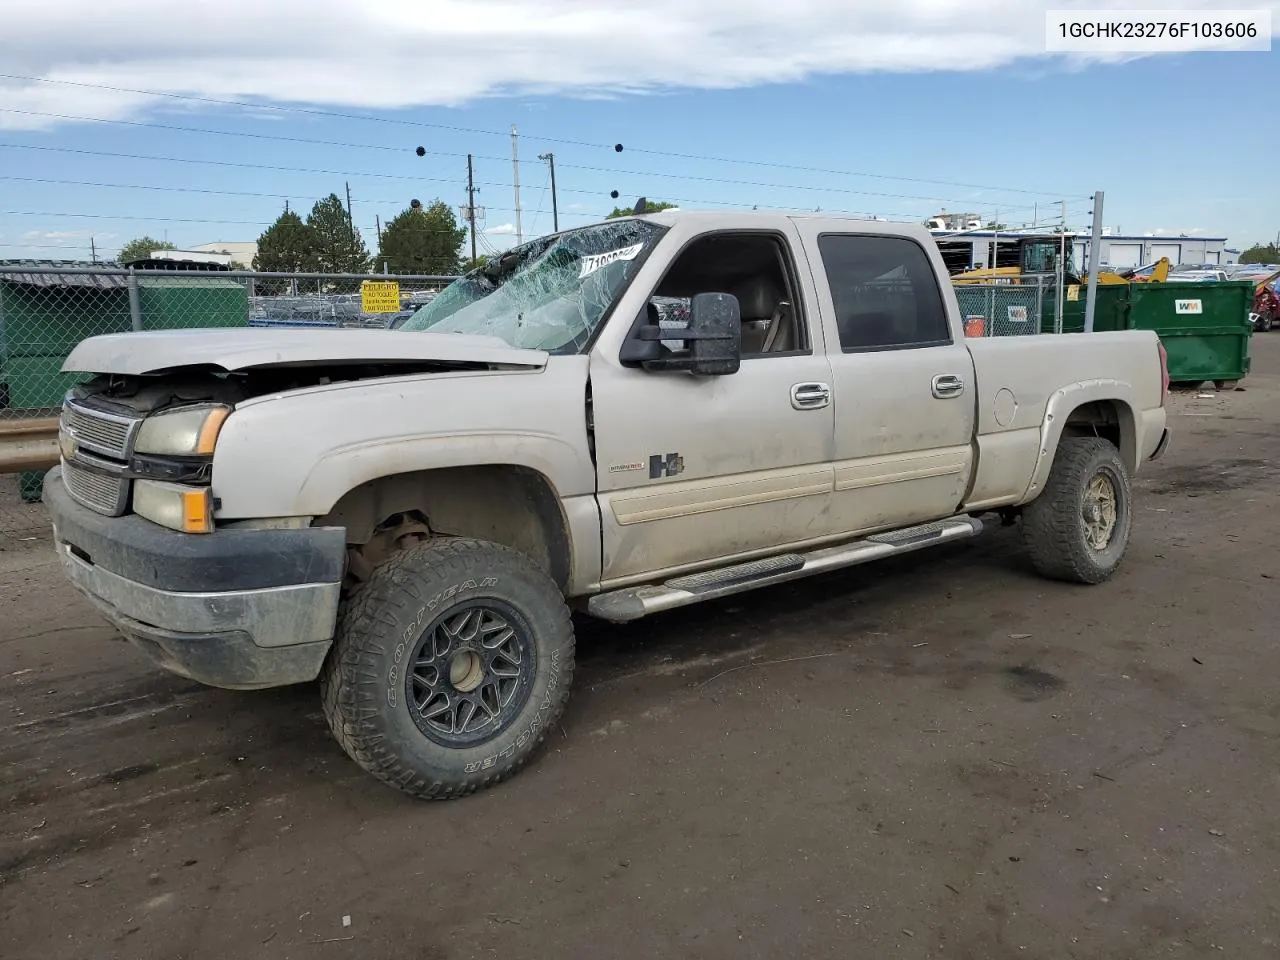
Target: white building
(1120, 250)
(193, 256)
(242, 251)
(971, 249)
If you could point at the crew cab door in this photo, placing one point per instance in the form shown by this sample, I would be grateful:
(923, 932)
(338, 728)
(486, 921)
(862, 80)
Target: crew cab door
(903, 381)
(695, 469)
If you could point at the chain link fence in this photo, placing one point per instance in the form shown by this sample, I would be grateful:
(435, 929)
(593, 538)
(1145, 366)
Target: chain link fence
(1007, 309)
(46, 309)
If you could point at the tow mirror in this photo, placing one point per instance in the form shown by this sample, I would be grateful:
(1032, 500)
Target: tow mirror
(701, 334)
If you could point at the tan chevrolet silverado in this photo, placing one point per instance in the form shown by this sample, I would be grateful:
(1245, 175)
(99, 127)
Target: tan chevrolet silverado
(624, 419)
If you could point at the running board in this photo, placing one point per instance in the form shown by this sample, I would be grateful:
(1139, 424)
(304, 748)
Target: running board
(632, 603)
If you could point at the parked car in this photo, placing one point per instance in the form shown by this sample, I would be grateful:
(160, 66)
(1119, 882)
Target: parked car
(625, 418)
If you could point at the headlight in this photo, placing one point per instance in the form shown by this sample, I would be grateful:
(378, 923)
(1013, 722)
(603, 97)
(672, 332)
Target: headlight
(174, 505)
(189, 432)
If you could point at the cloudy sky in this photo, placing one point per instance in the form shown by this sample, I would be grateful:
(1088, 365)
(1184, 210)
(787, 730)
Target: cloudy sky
(198, 121)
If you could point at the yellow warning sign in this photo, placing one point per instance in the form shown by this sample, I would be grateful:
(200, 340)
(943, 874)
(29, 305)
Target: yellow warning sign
(380, 296)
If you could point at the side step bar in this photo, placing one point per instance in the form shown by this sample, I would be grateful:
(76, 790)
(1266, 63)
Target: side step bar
(632, 603)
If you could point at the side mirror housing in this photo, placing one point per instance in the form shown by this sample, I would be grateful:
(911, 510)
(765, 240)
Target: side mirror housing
(701, 334)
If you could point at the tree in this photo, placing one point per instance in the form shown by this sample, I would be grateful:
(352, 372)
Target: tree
(337, 246)
(286, 246)
(475, 264)
(141, 248)
(992, 225)
(1261, 253)
(650, 206)
(422, 240)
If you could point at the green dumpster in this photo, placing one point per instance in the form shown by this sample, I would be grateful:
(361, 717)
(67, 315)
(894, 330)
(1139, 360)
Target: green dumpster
(44, 314)
(1204, 326)
(192, 299)
(1109, 314)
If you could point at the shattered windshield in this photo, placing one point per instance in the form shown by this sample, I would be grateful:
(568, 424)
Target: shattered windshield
(549, 294)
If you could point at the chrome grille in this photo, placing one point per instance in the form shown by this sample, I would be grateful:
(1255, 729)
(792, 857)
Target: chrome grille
(101, 432)
(97, 491)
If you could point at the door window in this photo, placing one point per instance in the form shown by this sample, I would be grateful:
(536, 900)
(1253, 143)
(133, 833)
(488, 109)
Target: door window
(884, 292)
(753, 267)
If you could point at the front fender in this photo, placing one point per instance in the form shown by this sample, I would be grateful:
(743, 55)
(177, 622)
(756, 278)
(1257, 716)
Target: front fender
(342, 469)
(298, 453)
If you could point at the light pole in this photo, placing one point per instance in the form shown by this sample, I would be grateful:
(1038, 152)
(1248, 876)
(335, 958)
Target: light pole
(550, 158)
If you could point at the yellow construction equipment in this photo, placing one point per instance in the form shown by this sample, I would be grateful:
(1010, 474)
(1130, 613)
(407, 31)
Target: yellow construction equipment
(1038, 256)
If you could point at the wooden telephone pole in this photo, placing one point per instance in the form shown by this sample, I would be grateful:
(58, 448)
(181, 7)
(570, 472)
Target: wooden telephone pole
(471, 207)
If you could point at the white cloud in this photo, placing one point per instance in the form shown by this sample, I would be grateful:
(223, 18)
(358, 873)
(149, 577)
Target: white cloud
(392, 57)
(500, 229)
(57, 236)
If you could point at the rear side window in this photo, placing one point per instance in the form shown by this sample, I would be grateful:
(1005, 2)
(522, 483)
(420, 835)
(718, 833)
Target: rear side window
(885, 293)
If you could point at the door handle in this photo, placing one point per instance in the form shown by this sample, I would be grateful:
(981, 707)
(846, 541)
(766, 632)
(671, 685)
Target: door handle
(947, 385)
(810, 396)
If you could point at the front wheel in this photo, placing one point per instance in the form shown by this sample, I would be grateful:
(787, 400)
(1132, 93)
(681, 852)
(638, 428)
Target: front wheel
(451, 664)
(1078, 528)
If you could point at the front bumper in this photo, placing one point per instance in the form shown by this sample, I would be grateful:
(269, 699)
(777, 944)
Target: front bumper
(240, 609)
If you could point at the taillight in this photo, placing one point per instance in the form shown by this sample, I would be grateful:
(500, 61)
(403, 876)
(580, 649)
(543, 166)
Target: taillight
(1164, 371)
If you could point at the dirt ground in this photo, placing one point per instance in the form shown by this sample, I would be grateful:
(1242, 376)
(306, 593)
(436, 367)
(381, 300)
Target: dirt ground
(940, 756)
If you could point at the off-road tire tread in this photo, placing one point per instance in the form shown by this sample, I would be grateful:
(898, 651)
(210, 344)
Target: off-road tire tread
(349, 684)
(1051, 523)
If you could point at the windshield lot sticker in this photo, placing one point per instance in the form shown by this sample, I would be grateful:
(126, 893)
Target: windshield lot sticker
(595, 261)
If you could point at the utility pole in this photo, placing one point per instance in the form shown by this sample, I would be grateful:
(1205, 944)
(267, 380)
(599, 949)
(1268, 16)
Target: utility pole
(351, 224)
(471, 207)
(377, 223)
(995, 242)
(550, 158)
(515, 180)
(1095, 258)
(93, 250)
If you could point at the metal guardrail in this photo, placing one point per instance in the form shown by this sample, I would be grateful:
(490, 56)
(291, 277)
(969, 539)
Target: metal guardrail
(28, 444)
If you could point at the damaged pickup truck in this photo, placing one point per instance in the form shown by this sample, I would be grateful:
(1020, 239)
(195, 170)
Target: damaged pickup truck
(625, 419)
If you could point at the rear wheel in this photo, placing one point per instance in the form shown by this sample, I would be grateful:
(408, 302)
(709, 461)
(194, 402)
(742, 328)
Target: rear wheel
(1078, 528)
(452, 662)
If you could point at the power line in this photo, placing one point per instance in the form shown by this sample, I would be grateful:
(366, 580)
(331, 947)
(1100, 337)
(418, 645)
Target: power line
(211, 192)
(648, 175)
(312, 111)
(389, 176)
(53, 246)
(167, 219)
(133, 219)
(207, 130)
(223, 163)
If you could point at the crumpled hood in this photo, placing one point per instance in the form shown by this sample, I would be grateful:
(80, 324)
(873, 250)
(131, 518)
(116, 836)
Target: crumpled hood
(243, 348)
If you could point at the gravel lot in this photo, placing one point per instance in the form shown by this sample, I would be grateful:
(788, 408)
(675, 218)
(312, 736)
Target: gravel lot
(939, 756)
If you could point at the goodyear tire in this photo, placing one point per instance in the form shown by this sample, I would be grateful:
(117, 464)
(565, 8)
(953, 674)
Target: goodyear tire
(451, 664)
(1077, 530)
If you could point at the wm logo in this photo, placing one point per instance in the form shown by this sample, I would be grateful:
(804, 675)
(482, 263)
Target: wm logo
(668, 466)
